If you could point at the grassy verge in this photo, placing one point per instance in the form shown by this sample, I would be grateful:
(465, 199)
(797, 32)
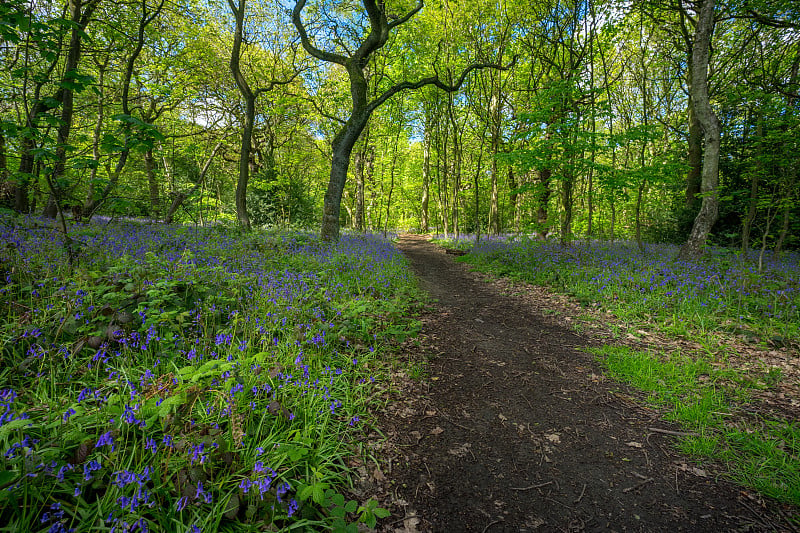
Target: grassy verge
(760, 453)
(720, 293)
(185, 379)
(722, 297)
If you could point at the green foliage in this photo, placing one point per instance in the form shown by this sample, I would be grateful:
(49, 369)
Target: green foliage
(274, 200)
(221, 373)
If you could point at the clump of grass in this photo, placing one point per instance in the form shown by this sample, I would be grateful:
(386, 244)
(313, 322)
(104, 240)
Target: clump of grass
(764, 455)
(189, 379)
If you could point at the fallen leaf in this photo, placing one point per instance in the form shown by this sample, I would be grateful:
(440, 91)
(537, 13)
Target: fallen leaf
(409, 525)
(437, 430)
(633, 444)
(461, 450)
(502, 418)
(554, 438)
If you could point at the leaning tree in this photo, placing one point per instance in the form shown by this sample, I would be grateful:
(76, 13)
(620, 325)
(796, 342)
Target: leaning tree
(354, 60)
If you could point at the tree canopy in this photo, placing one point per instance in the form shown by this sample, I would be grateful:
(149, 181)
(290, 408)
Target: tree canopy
(666, 121)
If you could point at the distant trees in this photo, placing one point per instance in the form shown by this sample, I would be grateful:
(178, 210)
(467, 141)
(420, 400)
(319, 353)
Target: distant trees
(252, 112)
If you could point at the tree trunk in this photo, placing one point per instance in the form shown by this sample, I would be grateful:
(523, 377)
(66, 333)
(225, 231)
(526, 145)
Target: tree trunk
(181, 197)
(515, 198)
(249, 116)
(566, 201)
(343, 145)
(152, 183)
(145, 19)
(6, 189)
(426, 178)
(787, 210)
(244, 163)
(495, 108)
(711, 128)
(639, 196)
(399, 126)
(358, 218)
(543, 198)
(695, 155)
(747, 222)
(80, 21)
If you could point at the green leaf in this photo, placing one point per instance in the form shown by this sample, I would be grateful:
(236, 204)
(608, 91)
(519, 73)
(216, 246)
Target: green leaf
(305, 492)
(6, 477)
(166, 406)
(319, 492)
(14, 425)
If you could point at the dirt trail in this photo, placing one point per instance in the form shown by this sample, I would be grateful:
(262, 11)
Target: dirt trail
(513, 429)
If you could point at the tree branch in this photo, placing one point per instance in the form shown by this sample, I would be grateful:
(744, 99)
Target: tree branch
(274, 83)
(771, 21)
(307, 44)
(406, 17)
(434, 80)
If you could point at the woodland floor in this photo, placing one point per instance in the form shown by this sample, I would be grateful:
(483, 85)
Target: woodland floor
(512, 427)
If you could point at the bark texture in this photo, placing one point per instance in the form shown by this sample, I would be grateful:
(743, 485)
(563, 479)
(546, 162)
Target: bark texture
(709, 208)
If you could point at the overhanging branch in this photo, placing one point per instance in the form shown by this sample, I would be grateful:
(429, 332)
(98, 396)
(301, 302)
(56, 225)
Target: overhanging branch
(434, 80)
(307, 44)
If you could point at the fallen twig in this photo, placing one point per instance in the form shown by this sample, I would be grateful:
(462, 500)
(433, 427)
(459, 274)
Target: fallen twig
(582, 493)
(676, 433)
(456, 423)
(539, 486)
(638, 485)
(490, 525)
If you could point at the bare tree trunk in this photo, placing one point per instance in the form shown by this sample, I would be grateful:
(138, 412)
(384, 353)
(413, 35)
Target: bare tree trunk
(80, 20)
(787, 209)
(711, 128)
(495, 109)
(6, 190)
(249, 116)
(639, 196)
(747, 222)
(145, 19)
(515, 198)
(399, 126)
(358, 218)
(566, 200)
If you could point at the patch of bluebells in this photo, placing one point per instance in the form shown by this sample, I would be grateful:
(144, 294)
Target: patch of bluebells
(120, 385)
(722, 283)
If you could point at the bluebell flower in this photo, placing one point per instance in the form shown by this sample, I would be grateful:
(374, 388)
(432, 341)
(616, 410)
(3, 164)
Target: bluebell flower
(105, 439)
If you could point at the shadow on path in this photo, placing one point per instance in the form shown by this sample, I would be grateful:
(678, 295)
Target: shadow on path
(513, 429)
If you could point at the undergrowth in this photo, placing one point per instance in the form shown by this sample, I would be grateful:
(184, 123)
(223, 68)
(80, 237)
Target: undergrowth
(185, 379)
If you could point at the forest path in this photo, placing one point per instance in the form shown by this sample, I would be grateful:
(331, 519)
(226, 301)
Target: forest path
(512, 428)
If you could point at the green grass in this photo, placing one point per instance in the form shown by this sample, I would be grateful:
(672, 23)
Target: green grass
(760, 453)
